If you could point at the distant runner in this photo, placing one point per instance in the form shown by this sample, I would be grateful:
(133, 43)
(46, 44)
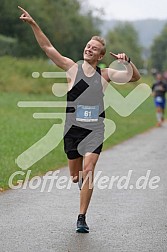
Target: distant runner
(159, 89)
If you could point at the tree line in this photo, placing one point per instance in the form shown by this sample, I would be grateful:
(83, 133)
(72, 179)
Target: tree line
(69, 28)
(159, 51)
(61, 21)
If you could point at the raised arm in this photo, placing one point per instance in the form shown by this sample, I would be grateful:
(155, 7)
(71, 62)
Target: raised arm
(61, 61)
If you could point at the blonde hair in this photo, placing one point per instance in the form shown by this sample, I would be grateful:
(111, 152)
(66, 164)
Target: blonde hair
(102, 41)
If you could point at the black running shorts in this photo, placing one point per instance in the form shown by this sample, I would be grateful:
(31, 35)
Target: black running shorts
(79, 141)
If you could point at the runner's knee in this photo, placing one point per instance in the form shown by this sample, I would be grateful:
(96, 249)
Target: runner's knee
(159, 109)
(89, 167)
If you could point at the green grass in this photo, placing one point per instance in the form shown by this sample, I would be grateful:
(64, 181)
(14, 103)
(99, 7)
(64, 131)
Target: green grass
(16, 75)
(19, 130)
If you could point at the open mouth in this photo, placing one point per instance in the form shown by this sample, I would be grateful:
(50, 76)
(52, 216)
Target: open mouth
(88, 54)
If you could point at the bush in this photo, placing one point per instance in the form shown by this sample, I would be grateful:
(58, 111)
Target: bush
(7, 45)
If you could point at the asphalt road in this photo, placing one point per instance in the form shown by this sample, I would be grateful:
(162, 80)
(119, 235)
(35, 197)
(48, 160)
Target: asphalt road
(120, 220)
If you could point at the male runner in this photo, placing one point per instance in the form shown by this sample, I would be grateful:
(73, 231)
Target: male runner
(84, 127)
(159, 88)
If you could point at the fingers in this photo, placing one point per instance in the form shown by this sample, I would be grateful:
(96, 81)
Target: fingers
(119, 56)
(114, 55)
(22, 9)
(25, 15)
(24, 18)
(122, 56)
(22, 15)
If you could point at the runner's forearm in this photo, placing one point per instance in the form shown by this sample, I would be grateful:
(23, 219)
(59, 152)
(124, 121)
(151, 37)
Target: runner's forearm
(136, 75)
(42, 40)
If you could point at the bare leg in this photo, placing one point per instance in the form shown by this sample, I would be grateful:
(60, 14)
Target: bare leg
(163, 113)
(86, 191)
(75, 166)
(159, 114)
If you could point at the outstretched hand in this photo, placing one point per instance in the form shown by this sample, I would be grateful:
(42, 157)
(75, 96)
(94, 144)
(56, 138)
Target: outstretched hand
(120, 56)
(25, 16)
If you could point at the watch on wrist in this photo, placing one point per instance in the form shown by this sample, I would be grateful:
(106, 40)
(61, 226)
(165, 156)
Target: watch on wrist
(128, 60)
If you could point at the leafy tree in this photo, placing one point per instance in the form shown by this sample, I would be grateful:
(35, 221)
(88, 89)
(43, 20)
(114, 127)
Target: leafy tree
(159, 51)
(61, 21)
(124, 38)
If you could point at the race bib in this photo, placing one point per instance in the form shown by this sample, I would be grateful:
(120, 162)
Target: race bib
(87, 113)
(159, 99)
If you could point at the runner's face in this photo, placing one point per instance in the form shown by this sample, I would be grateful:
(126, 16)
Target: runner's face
(159, 77)
(92, 51)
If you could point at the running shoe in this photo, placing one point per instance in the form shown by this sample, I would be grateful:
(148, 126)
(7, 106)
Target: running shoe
(82, 227)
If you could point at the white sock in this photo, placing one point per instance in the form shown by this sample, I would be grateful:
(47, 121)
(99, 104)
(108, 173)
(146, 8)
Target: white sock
(159, 116)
